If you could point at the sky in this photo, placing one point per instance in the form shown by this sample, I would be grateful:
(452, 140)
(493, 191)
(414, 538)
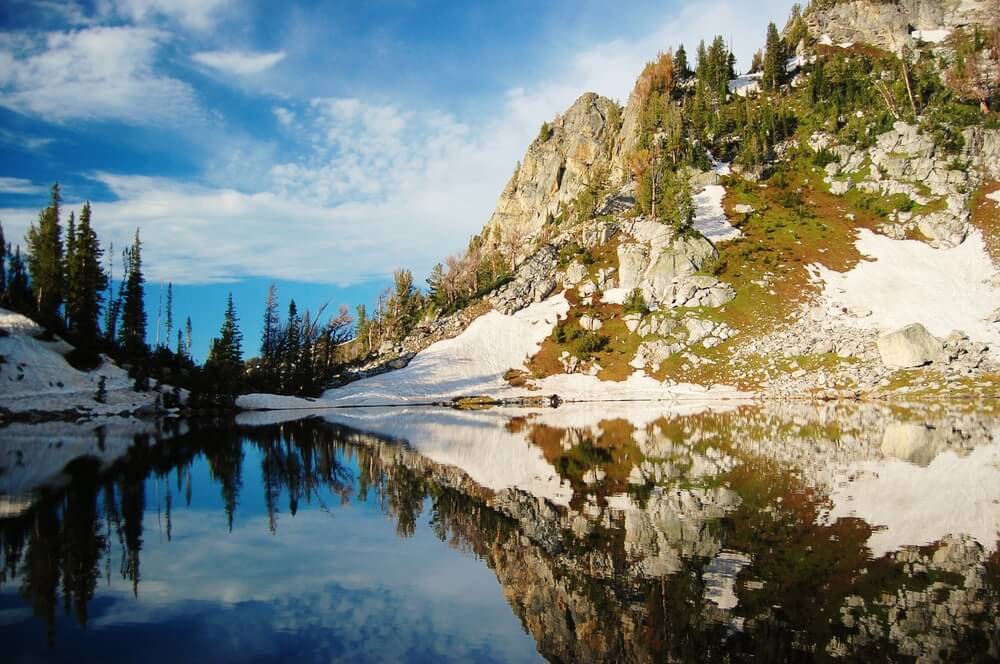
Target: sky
(318, 145)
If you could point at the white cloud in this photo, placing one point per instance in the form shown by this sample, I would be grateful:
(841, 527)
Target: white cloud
(19, 186)
(285, 116)
(92, 74)
(378, 186)
(239, 63)
(194, 14)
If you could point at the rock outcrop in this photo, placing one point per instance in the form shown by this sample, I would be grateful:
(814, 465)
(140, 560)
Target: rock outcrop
(556, 169)
(890, 25)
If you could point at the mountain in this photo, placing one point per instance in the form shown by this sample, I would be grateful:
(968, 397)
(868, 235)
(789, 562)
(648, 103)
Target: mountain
(826, 225)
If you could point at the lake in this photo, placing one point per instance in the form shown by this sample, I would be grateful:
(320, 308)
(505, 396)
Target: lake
(626, 532)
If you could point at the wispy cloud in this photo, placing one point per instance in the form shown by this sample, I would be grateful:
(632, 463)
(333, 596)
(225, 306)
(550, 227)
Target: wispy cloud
(199, 15)
(102, 73)
(239, 63)
(19, 186)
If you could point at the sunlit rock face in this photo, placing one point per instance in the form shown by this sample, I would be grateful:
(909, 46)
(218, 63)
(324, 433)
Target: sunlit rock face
(556, 168)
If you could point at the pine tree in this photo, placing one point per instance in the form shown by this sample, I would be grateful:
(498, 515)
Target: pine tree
(435, 287)
(86, 283)
(291, 347)
(3, 266)
(133, 331)
(188, 338)
(68, 266)
(19, 296)
(169, 326)
(225, 356)
(270, 340)
(45, 262)
(681, 63)
(774, 60)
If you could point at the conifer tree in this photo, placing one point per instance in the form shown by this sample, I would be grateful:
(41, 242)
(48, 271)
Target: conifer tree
(169, 323)
(270, 340)
(87, 281)
(3, 265)
(45, 262)
(681, 63)
(291, 347)
(133, 331)
(19, 296)
(188, 337)
(774, 60)
(225, 356)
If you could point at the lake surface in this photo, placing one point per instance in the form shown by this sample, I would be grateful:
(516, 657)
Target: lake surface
(615, 532)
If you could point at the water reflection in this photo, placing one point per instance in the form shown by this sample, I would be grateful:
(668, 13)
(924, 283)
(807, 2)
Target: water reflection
(631, 535)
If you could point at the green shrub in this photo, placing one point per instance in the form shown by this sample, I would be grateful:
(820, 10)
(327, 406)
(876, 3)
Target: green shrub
(635, 303)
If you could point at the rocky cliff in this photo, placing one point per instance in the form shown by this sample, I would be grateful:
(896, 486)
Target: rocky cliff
(569, 155)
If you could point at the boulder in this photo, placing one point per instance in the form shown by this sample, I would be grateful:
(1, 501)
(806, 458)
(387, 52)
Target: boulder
(590, 323)
(912, 346)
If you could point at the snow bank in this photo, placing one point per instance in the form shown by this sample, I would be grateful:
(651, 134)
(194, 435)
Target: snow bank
(745, 85)
(910, 282)
(914, 505)
(473, 363)
(710, 217)
(36, 376)
(931, 36)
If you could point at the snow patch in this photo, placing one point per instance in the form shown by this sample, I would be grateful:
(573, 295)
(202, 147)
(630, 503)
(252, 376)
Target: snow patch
(994, 196)
(910, 282)
(931, 36)
(745, 85)
(614, 296)
(710, 217)
(473, 363)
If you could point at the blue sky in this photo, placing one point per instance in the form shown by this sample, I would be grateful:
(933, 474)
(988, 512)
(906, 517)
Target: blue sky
(316, 144)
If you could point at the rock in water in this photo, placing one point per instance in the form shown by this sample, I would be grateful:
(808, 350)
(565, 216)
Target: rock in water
(912, 346)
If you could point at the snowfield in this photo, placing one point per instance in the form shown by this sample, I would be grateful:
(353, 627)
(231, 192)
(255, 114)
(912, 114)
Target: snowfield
(906, 281)
(710, 217)
(474, 363)
(36, 376)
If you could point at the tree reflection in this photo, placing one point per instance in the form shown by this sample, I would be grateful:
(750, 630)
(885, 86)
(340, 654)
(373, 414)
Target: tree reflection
(581, 596)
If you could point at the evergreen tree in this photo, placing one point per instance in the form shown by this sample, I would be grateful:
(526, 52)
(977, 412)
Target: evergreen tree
(45, 262)
(291, 348)
(169, 325)
(681, 63)
(68, 264)
(19, 296)
(435, 287)
(133, 331)
(3, 265)
(270, 340)
(86, 283)
(188, 338)
(774, 60)
(225, 356)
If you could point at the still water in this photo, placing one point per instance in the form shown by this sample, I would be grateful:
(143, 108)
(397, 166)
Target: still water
(627, 532)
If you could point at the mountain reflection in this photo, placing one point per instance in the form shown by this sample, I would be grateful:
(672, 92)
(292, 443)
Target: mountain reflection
(698, 537)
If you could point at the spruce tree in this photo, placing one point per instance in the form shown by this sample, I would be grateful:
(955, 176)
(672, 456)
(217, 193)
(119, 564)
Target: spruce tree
(133, 330)
(270, 338)
(19, 296)
(45, 262)
(774, 60)
(681, 63)
(291, 348)
(169, 324)
(87, 282)
(225, 357)
(3, 266)
(188, 338)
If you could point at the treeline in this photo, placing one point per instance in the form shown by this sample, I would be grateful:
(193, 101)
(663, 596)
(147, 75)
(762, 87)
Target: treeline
(63, 281)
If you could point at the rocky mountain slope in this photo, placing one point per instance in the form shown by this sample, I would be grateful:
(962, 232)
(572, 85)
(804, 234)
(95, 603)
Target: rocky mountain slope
(853, 255)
